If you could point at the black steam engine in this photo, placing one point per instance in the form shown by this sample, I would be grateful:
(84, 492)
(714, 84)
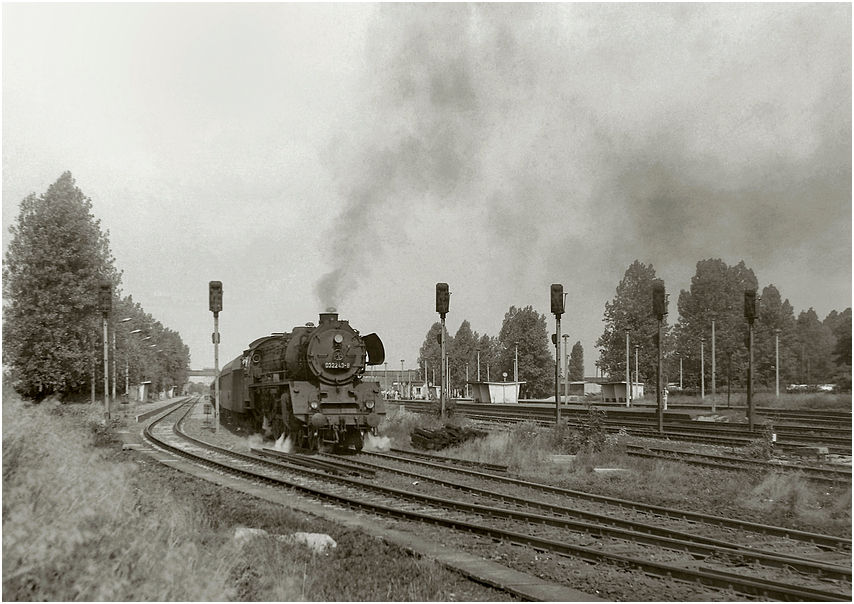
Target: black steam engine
(307, 384)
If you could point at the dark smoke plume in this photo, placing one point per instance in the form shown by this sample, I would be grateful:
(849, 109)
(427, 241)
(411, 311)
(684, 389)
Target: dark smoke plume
(666, 132)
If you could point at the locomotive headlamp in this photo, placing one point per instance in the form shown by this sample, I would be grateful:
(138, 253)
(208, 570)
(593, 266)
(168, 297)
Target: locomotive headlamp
(369, 404)
(338, 338)
(313, 405)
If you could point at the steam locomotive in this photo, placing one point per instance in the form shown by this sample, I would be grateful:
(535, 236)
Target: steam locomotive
(307, 384)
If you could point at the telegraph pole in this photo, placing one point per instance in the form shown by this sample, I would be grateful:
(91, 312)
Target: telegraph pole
(443, 298)
(557, 310)
(106, 308)
(215, 299)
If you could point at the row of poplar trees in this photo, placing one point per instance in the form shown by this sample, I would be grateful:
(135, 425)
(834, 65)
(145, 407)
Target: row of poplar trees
(56, 261)
(811, 351)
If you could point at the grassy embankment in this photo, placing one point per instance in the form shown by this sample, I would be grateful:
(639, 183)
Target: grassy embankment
(767, 497)
(83, 520)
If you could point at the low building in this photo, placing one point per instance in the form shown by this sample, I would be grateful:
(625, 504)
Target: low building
(495, 392)
(616, 392)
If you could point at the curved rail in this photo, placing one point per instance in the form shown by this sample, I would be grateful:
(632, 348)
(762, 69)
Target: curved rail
(717, 579)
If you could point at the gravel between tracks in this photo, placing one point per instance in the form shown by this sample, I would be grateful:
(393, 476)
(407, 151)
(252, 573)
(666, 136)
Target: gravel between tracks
(602, 580)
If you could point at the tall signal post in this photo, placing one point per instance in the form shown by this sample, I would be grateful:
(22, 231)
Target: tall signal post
(750, 315)
(557, 311)
(106, 299)
(215, 299)
(566, 368)
(659, 309)
(443, 300)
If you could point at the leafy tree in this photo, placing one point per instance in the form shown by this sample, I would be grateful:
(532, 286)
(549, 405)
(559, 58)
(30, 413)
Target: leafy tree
(430, 354)
(840, 326)
(716, 293)
(526, 329)
(490, 352)
(631, 310)
(463, 361)
(774, 328)
(816, 343)
(56, 260)
(576, 363)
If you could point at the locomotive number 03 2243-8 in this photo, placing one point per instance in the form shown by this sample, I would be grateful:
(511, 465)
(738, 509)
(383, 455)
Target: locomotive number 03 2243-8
(337, 365)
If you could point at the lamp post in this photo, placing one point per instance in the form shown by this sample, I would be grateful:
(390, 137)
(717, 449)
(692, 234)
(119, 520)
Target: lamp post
(636, 365)
(702, 369)
(628, 383)
(713, 363)
(127, 368)
(125, 320)
(478, 364)
(106, 299)
(401, 378)
(777, 360)
(516, 364)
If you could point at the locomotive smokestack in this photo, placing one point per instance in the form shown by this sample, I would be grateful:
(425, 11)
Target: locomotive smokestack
(331, 314)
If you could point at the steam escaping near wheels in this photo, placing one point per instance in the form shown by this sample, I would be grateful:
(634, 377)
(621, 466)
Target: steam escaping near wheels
(377, 443)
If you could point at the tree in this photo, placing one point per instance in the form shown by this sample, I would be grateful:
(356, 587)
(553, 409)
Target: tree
(816, 343)
(463, 361)
(56, 260)
(576, 363)
(631, 310)
(526, 329)
(774, 328)
(490, 352)
(430, 354)
(840, 326)
(716, 293)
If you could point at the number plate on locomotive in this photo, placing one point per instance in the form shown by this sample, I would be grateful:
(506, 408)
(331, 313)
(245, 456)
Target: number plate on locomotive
(337, 365)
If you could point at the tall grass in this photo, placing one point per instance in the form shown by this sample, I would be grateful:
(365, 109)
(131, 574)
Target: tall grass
(80, 523)
(72, 530)
(792, 401)
(582, 458)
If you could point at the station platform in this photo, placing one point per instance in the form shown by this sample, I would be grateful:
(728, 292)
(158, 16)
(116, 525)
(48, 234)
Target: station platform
(142, 411)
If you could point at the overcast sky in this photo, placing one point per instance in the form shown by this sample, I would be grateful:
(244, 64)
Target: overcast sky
(354, 155)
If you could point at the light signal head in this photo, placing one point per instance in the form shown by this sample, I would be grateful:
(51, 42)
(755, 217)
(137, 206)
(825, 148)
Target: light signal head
(443, 299)
(215, 296)
(659, 302)
(557, 299)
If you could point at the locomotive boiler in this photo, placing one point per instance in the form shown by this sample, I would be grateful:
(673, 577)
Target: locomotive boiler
(307, 384)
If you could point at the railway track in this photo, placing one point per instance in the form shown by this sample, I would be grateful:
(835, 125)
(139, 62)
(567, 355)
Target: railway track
(835, 433)
(837, 475)
(490, 515)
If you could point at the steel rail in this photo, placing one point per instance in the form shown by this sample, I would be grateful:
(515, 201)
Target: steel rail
(825, 474)
(744, 585)
(817, 539)
(607, 526)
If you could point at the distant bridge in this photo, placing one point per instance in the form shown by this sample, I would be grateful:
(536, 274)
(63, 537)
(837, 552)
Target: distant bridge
(206, 372)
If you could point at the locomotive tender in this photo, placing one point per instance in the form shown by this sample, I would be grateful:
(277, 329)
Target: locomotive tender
(307, 384)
